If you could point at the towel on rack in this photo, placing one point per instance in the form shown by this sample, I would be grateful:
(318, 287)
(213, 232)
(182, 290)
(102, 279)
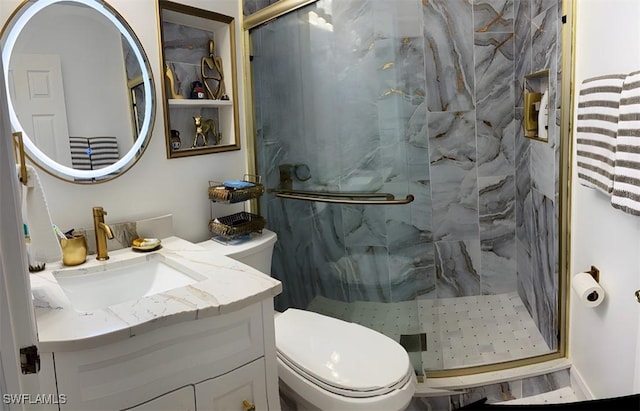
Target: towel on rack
(597, 129)
(626, 179)
(45, 246)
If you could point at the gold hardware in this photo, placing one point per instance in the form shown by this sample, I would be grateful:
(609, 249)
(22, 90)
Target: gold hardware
(171, 83)
(74, 250)
(595, 273)
(102, 232)
(638, 295)
(248, 406)
(530, 112)
(214, 64)
(343, 198)
(18, 153)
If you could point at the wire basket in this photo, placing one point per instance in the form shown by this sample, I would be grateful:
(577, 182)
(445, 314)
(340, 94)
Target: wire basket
(235, 225)
(221, 194)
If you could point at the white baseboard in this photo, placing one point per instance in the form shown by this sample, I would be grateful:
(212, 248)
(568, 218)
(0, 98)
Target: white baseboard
(580, 387)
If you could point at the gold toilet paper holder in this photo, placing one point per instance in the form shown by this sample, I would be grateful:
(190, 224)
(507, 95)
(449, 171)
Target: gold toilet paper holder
(595, 273)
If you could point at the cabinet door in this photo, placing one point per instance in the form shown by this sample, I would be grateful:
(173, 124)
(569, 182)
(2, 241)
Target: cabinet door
(179, 400)
(242, 389)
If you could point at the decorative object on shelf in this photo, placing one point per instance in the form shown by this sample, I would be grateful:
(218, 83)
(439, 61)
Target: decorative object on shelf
(235, 225)
(231, 192)
(175, 140)
(197, 90)
(171, 83)
(213, 64)
(203, 128)
(187, 37)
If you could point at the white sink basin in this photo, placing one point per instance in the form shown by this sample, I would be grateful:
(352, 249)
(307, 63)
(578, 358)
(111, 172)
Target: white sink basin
(108, 284)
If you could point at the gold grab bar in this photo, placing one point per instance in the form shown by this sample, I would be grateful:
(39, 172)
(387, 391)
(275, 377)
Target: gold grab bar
(342, 198)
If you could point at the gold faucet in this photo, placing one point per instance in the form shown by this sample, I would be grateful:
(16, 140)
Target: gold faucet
(102, 231)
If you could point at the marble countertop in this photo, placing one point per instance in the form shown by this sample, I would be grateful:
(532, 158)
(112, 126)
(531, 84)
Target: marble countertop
(228, 286)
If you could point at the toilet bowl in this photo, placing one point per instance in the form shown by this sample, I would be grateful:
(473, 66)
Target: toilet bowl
(325, 363)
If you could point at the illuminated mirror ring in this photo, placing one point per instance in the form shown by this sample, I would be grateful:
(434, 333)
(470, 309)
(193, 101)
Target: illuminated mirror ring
(145, 130)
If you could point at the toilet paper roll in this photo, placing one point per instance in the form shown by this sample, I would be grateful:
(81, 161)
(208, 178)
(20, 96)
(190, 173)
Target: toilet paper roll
(588, 290)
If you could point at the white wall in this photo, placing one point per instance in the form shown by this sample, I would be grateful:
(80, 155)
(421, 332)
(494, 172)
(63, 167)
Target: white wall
(155, 185)
(604, 342)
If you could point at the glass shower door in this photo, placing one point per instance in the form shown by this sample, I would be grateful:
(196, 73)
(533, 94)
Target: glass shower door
(339, 105)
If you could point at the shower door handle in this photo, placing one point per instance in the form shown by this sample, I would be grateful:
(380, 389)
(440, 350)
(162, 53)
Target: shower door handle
(344, 198)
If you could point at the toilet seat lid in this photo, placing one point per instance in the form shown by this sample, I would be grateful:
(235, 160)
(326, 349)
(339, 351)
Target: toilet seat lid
(340, 354)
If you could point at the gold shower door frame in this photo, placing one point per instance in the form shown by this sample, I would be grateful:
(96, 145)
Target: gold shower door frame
(283, 7)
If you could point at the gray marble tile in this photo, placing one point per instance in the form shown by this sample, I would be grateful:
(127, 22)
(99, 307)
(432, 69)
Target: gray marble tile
(497, 234)
(541, 6)
(543, 170)
(364, 226)
(496, 206)
(523, 208)
(367, 270)
(411, 261)
(421, 207)
(522, 143)
(543, 265)
(448, 26)
(293, 262)
(493, 393)
(493, 16)
(545, 383)
(457, 268)
(417, 137)
(327, 248)
(494, 103)
(454, 185)
(499, 265)
(524, 235)
(522, 46)
(544, 39)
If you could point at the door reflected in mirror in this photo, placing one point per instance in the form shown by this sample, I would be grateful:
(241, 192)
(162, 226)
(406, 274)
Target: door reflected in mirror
(81, 89)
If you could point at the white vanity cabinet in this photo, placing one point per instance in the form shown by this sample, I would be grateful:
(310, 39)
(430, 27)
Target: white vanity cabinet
(241, 389)
(181, 399)
(222, 362)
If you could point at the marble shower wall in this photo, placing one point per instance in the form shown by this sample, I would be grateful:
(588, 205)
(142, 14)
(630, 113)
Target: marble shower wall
(410, 96)
(538, 28)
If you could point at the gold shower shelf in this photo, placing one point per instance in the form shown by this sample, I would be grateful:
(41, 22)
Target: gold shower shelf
(343, 198)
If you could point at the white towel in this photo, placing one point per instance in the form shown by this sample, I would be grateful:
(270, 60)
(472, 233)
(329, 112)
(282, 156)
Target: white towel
(597, 127)
(45, 246)
(626, 180)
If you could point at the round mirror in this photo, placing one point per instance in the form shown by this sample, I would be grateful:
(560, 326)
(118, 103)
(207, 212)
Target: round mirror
(80, 88)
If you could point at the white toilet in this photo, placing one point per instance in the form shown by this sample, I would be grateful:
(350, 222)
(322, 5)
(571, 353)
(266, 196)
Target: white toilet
(325, 363)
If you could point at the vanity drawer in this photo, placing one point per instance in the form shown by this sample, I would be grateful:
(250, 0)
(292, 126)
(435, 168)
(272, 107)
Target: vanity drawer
(125, 373)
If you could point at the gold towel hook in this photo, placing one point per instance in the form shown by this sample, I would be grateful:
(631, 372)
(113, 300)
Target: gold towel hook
(18, 152)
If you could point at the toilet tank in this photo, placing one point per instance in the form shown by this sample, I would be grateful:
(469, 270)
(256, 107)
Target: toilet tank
(255, 252)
